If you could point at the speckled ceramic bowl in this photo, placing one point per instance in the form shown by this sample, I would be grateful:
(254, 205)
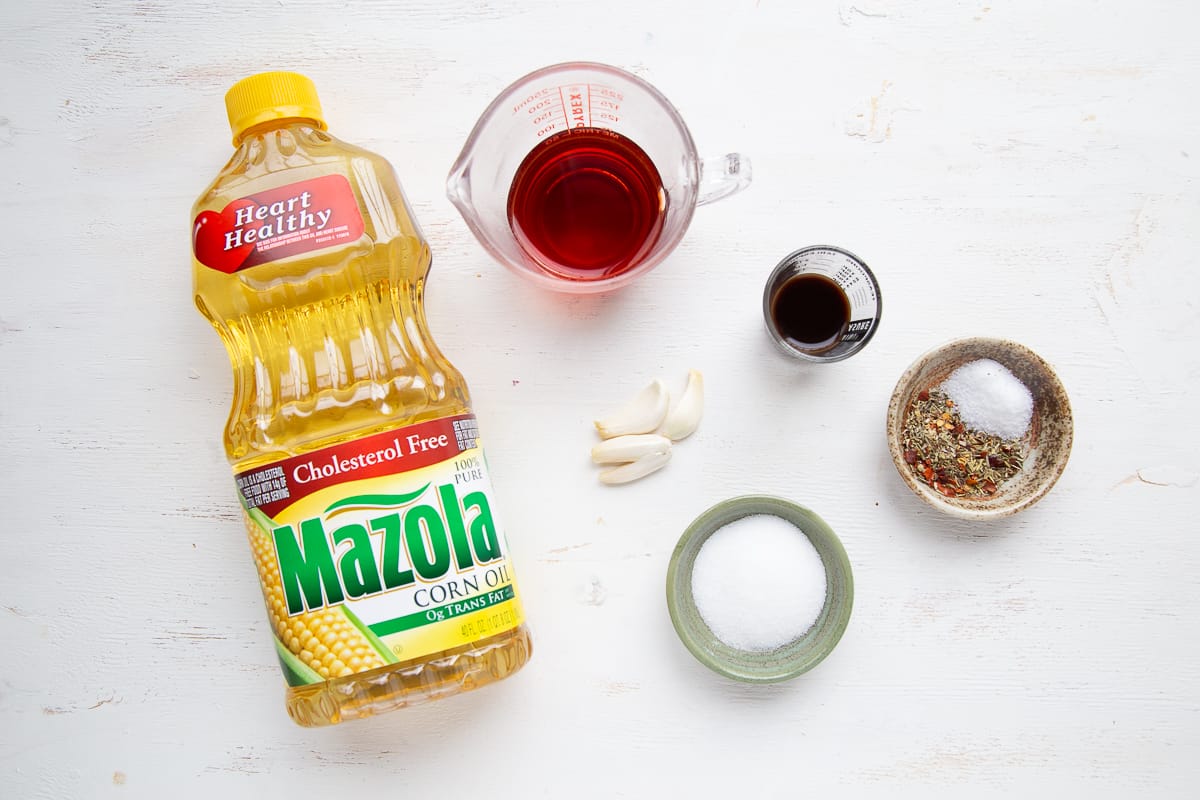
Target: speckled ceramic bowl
(1047, 443)
(791, 659)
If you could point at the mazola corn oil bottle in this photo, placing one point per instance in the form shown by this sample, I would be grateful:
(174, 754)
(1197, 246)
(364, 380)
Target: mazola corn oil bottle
(357, 459)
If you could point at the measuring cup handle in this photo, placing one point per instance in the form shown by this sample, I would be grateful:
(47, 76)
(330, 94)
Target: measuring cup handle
(723, 176)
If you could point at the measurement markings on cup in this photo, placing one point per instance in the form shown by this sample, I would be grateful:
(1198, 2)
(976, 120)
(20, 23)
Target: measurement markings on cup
(549, 116)
(546, 112)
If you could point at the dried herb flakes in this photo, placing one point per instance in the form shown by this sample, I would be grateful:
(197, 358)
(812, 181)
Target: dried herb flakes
(953, 459)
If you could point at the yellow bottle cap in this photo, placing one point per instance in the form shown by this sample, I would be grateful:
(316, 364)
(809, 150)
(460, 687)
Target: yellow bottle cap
(271, 95)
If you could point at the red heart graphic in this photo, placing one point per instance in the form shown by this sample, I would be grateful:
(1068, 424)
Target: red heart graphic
(209, 238)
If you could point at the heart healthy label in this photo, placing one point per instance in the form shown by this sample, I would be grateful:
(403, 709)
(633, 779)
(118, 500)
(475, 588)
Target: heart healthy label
(380, 550)
(278, 223)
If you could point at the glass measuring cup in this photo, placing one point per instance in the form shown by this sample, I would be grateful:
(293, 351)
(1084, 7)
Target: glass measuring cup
(821, 304)
(606, 105)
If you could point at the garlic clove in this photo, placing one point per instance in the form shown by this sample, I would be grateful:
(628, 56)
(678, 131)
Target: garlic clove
(643, 414)
(683, 419)
(631, 447)
(636, 469)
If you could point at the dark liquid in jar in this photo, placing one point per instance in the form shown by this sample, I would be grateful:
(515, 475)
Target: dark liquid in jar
(587, 204)
(811, 312)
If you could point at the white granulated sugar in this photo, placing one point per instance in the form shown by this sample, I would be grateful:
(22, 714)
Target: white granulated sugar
(758, 583)
(990, 399)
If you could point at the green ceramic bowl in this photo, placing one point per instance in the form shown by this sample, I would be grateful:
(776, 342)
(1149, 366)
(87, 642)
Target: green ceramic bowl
(789, 660)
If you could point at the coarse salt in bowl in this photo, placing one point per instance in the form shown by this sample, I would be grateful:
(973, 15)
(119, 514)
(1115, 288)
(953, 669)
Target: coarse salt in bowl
(784, 642)
(758, 582)
(990, 398)
(1046, 436)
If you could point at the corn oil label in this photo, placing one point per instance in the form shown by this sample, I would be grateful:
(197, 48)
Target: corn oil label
(278, 223)
(380, 550)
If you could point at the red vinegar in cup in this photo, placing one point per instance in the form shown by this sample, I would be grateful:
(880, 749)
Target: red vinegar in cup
(587, 204)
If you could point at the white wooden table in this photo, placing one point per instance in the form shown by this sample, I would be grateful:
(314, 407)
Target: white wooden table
(1024, 169)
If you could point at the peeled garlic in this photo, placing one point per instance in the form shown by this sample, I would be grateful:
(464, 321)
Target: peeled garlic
(684, 418)
(631, 447)
(636, 469)
(643, 414)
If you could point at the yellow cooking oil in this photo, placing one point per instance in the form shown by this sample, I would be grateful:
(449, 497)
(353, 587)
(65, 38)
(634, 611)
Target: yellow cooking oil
(357, 459)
